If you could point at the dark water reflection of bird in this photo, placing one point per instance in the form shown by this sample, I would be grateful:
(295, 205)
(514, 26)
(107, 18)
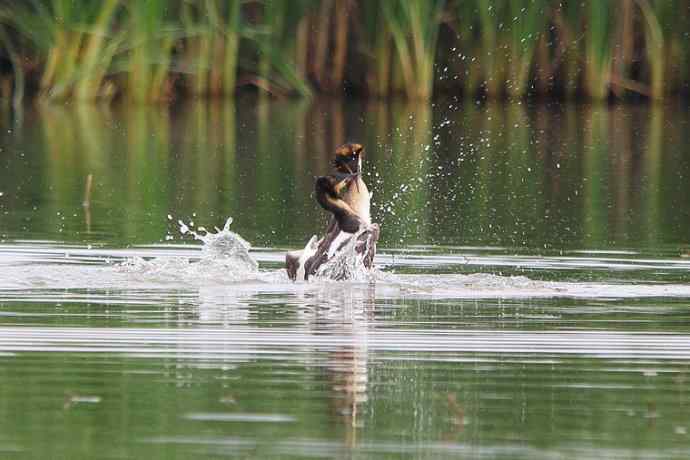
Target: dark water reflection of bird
(346, 313)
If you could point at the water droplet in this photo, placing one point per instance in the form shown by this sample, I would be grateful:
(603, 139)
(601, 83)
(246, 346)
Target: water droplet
(184, 229)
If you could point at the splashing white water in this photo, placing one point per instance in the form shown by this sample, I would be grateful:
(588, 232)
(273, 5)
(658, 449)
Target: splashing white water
(347, 264)
(224, 258)
(35, 273)
(226, 246)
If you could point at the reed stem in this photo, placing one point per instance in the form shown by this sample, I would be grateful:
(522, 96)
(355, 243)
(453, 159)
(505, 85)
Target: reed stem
(86, 50)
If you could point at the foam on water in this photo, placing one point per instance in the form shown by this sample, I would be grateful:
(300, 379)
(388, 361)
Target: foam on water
(139, 279)
(224, 257)
(225, 264)
(347, 263)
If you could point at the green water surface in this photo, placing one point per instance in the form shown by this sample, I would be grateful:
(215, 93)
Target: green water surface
(574, 194)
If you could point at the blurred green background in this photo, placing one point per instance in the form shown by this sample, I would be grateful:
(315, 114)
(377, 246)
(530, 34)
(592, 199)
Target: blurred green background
(157, 50)
(530, 177)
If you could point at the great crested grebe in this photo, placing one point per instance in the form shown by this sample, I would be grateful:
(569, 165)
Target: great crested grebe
(347, 197)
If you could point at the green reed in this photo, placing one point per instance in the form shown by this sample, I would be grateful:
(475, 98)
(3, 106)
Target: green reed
(598, 53)
(72, 41)
(463, 60)
(275, 40)
(377, 48)
(493, 66)
(213, 31)
(149, 43)
(527, 19)
(509, 34)
(666, 24)
(97, 53)
(153, 50)
(231, 44)
(199, 20)
(414, 26)
(654, 47)
(568, 20)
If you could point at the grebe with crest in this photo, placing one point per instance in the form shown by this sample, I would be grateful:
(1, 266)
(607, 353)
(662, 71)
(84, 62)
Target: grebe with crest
(345, 195)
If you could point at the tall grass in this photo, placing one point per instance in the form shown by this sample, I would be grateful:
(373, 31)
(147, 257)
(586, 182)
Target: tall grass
(377, 47)
(493, 71)
(152, 50)
(598, 53)
(214, 29)
(275, 40)
(71, 40)
(510, 32)
(201, 23)
(466, 62)
(666, 27)
(149, 43)
(231, 45)
(97, 53)
(414, 26)
(654, 41)
(527, 19)
(568, 20)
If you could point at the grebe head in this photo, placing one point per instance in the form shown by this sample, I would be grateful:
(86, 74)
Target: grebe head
(348, 158)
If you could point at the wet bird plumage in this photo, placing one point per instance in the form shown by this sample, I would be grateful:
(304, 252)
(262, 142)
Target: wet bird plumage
(348, 162)
(344, 194)
(327, 189)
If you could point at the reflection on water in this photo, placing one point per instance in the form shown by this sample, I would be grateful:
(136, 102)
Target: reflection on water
(531, 299)
(537, 178)
(419, 364)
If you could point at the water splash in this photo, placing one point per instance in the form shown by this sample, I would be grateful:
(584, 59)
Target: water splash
(347, 264)
(227, 246)
(224, 257)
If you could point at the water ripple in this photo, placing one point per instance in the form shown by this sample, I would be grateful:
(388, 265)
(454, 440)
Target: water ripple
(231, 342)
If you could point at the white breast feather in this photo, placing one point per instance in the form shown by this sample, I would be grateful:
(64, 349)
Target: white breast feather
(362, 202)
(309, 250)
